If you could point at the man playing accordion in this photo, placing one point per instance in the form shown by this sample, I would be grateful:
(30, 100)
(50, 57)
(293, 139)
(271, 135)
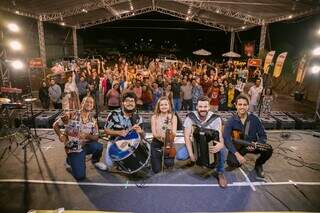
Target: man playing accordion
(209, 123)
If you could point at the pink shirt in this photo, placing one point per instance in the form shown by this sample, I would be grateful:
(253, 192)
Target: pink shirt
(113, 98)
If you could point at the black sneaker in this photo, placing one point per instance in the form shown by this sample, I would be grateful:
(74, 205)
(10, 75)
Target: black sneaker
(259, 171)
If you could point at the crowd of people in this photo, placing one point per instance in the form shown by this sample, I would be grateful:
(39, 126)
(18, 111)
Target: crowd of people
(183, 82)
(127, 87)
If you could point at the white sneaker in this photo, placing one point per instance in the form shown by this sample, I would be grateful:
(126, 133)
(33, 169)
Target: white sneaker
(68, 166)
(100, 166)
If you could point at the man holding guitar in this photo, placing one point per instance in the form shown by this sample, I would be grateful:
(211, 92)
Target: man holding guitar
(244, 133)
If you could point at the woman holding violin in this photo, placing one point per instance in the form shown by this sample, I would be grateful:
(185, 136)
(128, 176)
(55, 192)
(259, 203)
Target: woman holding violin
(164, 128)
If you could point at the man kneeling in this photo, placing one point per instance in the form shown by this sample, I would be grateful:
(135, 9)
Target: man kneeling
(80, 138)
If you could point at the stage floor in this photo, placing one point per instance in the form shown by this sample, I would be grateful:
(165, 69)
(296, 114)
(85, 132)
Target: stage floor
(35, 178)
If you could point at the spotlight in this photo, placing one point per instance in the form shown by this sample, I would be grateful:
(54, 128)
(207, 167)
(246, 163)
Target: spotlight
(15, 45)
(318, 32)
(217, 11)
(187, 18)
(316, 51)
(315, 69)
(290, 16)
(13, 27)
(17, 64)
(17, 12)
(243, 27)
(62, 23)
(189, 11)
(84, 11)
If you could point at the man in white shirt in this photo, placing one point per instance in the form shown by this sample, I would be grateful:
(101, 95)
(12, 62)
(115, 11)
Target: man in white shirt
(254, 93)
(211, 122)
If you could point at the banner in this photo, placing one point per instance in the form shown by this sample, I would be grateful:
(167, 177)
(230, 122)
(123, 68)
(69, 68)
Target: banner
(268, 61)
(239, 63)
(249, 48)
(279, 64)
(301, 71)
(254, 62)
(36, 63)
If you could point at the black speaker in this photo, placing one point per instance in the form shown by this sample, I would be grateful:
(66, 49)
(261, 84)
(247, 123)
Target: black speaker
(298, 96)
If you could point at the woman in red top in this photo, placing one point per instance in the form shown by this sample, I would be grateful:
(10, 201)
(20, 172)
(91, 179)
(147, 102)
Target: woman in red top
(146, 98)
(213, 94)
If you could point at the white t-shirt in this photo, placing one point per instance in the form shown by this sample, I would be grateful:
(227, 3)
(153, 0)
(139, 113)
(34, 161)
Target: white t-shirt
(254, 93)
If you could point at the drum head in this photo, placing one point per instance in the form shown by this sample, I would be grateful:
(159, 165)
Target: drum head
(136, 161)
(124, 146)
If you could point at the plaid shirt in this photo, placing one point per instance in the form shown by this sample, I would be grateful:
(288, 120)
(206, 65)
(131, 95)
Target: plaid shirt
(117, 121)
(196, 92)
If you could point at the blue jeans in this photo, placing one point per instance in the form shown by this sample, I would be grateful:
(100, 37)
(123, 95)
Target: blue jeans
(176, 104)
(182, 154)
(77, 160)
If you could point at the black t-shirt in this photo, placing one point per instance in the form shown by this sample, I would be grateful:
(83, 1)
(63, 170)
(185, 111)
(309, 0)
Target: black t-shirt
(160, 82)
(186, 72)
(95, 82)
(176, 89)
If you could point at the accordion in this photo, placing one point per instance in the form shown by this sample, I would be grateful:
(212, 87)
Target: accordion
(202, 139)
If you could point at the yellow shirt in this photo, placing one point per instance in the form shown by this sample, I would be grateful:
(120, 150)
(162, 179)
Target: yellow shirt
(230, 97)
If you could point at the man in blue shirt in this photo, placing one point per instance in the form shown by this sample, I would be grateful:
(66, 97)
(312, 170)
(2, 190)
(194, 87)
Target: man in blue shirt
(252, 130)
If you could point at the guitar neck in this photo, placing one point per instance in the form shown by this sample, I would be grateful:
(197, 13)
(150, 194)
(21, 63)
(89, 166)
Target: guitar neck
(242, 142)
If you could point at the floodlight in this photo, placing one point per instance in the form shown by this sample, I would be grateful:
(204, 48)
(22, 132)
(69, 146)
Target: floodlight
(15, 45)
(13, 27)
(316, 51)
(17, 64)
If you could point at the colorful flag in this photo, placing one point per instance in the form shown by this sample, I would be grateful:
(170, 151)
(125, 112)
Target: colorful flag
(279, 64)
(301, 71)
(268, 61)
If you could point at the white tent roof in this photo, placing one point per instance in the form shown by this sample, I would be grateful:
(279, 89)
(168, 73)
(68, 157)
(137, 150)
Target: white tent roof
(231, 55)
(202, 52)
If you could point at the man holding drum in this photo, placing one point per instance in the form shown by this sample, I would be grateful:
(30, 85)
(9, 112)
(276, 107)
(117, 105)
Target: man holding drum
(121, 122)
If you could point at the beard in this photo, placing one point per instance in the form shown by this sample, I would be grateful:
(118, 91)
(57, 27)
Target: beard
(128, 110)
(203, 114)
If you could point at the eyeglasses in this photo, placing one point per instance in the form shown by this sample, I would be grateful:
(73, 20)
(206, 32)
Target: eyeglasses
(129, 100)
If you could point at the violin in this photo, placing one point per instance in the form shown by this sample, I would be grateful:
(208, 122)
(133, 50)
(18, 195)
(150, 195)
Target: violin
(169, 149)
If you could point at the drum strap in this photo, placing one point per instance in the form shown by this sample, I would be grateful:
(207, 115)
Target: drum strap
(134, 119)
(197, 122)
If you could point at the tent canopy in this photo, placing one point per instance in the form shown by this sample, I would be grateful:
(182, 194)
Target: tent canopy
(202, 52)
(235, 15)
(231, 55)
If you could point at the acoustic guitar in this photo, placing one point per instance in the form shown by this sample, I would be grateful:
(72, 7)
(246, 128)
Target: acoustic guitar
(238, 141)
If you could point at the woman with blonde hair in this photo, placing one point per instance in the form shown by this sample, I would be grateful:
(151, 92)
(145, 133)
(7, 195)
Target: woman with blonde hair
(164, 127)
